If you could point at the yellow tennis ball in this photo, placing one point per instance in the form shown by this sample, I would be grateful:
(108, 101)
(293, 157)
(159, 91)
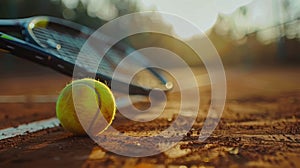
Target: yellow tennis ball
(86, 106)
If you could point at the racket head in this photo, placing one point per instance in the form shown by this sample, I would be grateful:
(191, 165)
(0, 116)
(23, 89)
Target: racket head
(65, 39)
(36, 29)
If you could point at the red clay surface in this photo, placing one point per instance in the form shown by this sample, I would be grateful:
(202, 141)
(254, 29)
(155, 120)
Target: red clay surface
(259, 127)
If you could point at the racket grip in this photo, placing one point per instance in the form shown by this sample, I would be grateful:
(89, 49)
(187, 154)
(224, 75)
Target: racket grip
(22, 48)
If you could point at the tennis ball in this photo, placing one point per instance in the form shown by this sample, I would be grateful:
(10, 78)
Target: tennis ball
(86, 106)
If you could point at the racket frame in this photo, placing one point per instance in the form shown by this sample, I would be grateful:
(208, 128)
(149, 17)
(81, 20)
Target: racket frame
(31, 48)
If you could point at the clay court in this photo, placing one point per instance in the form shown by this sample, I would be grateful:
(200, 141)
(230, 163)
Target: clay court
(259, 126)
(258, 44)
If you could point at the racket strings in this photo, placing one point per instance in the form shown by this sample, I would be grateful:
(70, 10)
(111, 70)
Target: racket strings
(90, 60)
(70, 47)
(67, 43)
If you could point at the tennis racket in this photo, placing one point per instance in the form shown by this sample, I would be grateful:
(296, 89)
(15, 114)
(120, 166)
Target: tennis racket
(55, 43)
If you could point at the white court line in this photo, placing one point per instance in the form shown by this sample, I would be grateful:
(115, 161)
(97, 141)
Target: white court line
(28, 98)
(28, 128)
(47, 123)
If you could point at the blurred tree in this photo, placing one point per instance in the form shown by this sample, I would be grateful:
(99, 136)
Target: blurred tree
(92, 13)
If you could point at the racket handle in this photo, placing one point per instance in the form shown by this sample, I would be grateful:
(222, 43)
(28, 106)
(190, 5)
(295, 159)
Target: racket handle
(23, 49)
